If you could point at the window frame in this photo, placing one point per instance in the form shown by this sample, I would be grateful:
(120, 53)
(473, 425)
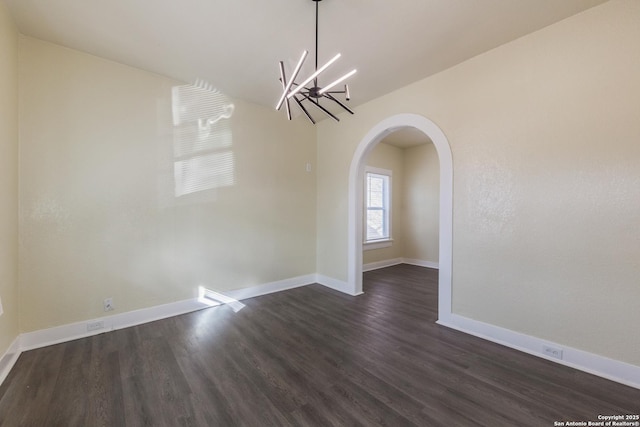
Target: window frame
(387, 208)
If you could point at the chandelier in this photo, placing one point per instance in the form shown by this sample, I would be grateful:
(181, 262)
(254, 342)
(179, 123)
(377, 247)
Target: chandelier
(308, 92)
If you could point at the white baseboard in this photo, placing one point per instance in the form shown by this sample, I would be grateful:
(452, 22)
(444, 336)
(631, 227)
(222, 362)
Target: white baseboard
(72, 331)
(395, 261)
(338, 285)
(381, 264)
(421, 263)
(601, 366)
(268, 288)
(9, 358)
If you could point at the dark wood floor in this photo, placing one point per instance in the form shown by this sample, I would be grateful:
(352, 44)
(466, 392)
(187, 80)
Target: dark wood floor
(305, 357)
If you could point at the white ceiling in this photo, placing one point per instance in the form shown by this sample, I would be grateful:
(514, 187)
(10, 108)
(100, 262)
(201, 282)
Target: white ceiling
(236, 44)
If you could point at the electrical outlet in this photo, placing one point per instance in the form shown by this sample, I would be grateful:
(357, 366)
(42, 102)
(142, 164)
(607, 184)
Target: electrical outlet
(92, 326)
(552, 351)
(108, 304)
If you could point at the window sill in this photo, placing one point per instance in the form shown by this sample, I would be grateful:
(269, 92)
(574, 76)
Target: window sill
(377, 244)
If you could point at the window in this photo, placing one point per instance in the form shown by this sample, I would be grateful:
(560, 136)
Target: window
(378, 205)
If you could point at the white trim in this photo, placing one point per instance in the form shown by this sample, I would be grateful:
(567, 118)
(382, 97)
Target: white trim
(355, 197)
(381, 264)
(610, 369)
(72, 331)
(335, 284)
(421, 263)
(269, 288)
(377, 244)
(378, 171)
(9, 358)
(395, 261)
(386, 174)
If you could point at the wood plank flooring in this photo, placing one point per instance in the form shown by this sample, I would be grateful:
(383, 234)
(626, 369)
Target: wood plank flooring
(304, 357)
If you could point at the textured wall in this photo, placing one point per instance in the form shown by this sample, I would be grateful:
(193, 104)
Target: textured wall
(544, 135)
(8, 179)
(421, 194)
(122, 198)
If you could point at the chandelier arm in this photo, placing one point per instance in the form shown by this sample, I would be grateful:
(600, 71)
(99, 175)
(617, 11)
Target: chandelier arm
(293, 77)
(286, 103)
(307, 89)
(304, 110)
(283, 79)
(327, 112)
(327, 95)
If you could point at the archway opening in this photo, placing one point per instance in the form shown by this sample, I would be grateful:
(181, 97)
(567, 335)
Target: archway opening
(355, 223)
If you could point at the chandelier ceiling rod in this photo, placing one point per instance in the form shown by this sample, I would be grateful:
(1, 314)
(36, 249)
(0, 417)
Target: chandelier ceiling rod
(315, 81)
(300, 93)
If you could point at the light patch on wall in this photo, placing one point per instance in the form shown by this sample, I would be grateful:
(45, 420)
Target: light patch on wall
(213, 298)
(203, 172)
(202, 139)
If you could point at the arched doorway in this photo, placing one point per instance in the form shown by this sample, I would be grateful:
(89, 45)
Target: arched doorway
(355, 226)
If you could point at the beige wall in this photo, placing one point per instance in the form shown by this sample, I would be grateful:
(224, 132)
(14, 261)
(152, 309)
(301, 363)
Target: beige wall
(8, 179)
(421, 195)
(100, 216)
(544, 134)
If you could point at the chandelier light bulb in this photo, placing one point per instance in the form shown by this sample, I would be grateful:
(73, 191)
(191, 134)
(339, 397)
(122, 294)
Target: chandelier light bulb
(293, 77)
(330, 85)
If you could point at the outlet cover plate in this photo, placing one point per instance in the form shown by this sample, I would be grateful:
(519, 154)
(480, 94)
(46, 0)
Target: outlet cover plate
(94, 326)
(554, 352)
